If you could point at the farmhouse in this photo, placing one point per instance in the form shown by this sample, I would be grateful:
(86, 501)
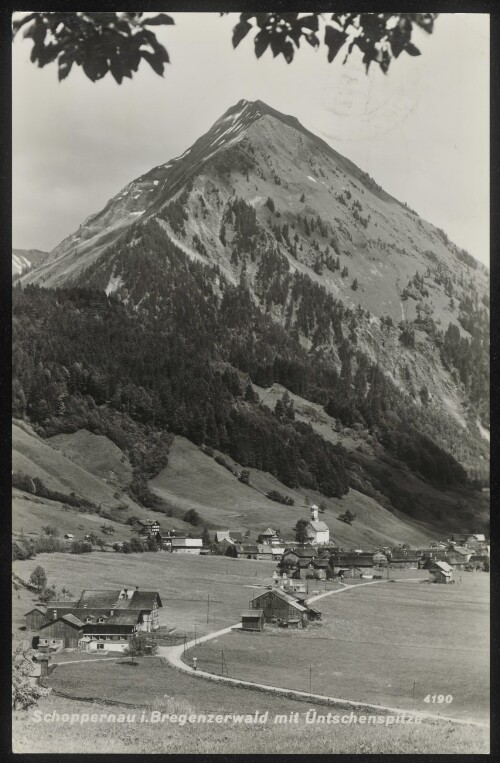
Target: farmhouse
(221, 535)
(440, 572)
(243, 551)
(404, 558)
(456, 560)
(110, 633)
(279, 606)
(317, 531)
(186, 545)
(352, 564)
(99, 614)
(292, 555)
(148, 528)
(268, 536)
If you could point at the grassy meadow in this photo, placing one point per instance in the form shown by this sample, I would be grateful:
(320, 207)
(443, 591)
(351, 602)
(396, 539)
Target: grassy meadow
(154, 685)
(373, 642)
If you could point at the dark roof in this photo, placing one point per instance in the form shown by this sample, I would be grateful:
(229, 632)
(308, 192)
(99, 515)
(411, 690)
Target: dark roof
(93, 599)
(304, 562)
(56, 604)
(140, 600)
(73, 621)
(35, 609)
(252, 613)
(404, 556)
(98, 598)
(70, 618)
(320, 562)
(285, 597)
(237, 536)
(80, 612)
(302, 551)
(247, 549)
(352, 560)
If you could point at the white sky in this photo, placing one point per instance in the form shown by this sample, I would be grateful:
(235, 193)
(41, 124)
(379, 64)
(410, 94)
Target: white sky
(422, 131)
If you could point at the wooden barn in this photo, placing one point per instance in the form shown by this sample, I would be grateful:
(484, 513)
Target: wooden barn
(279, 606)
(440, 572)
(35, 617)
(62, 633)
(252, 620)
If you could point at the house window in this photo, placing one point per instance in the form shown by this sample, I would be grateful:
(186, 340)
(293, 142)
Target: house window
(100, 646)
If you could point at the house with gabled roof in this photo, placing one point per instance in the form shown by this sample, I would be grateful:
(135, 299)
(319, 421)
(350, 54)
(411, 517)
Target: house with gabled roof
(284, 607)
(440, 572)
(147, 527)
(98, 609)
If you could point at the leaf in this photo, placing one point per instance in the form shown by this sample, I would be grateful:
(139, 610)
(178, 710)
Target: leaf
(313, 40)
(412, 49)
(334, 40)
(162, 18)
(261, 43)
(240, 31)
(277, 44)
(64, 69)
(16, 25)
(154, 62)
(288, 52)
(310, 22)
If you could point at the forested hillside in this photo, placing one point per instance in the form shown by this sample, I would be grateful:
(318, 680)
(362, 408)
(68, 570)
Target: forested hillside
(177, 352)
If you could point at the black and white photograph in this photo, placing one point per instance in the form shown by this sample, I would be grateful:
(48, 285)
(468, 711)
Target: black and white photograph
(250, 382)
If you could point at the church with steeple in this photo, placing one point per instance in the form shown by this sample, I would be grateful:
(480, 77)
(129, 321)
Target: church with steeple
(317, 530)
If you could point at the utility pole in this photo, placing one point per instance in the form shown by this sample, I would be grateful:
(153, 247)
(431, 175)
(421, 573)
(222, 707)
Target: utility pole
(310, 676)
(195, 634)
(208, 607)
(413, 694)
(185, 639)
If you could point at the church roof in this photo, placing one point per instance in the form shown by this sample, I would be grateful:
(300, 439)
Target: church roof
(318, 526)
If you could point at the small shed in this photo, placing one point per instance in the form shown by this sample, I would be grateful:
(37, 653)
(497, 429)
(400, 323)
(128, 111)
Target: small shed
(252, 620)
(69, 536)
(440, 572)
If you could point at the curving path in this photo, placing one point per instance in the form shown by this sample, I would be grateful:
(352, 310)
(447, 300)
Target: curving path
(173, 655)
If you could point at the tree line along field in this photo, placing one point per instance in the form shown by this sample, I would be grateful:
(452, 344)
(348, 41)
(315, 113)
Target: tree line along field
(373, 643)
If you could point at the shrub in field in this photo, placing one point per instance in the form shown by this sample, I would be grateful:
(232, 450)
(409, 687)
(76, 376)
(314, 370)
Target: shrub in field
(275, 495)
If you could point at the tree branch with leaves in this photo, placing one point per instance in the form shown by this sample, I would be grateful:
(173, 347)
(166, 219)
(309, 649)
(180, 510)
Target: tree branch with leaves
(117, 42)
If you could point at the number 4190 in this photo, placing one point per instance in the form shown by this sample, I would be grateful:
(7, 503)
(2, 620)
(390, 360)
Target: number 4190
(439, 699)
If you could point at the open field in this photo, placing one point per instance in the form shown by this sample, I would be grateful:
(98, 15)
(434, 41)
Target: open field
(183, 582)
(372, 643)
(160, 687)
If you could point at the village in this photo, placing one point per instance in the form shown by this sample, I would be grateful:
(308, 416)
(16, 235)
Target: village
(102, 621)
